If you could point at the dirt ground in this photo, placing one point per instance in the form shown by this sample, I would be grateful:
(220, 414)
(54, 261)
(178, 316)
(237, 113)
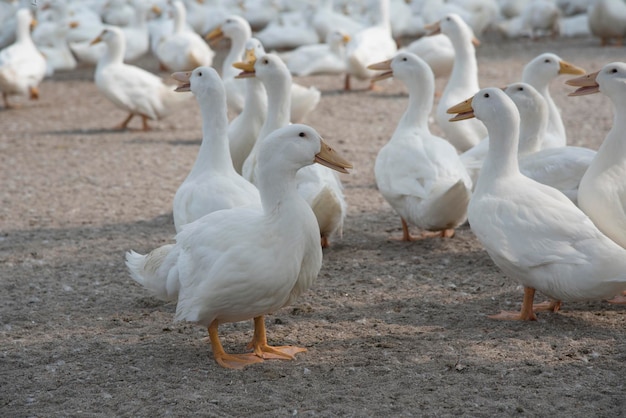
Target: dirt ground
(391, 328)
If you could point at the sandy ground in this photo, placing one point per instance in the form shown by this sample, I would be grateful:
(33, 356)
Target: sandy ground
(391, 328)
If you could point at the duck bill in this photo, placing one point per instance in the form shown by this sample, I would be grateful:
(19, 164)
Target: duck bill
(97, 40)
(346, 39)
(156, 10)
(433, 28)
(462, 110)
(586, 84)
(183, 77)
(247, 66)
(567, 68)
(330, 158)
(381, 66)
(475, 41)
(247, 69)
(215, 35)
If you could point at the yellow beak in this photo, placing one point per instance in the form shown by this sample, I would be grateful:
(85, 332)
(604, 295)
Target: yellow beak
(330, 158)
(462, 110)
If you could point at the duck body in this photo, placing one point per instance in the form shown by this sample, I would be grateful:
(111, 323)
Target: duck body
(463, 83)
(223, 268)
(22, 67)
(539, 72)
(535, 234)
(369, 45)
(326, 58)
(183, 49)
(321, 190)
(437, 51)
(131, 88)
(602, 190)
(420, 174)
(607, 20)
(212, 184)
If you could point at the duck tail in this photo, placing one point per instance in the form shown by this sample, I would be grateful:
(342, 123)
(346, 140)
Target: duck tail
(329, 209)
(453, 203)
(151, 271)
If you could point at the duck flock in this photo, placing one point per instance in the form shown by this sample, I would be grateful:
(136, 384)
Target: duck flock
(255, 210)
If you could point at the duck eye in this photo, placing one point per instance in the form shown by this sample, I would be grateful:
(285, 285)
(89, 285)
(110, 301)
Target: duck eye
(265, 61)
(547, 60)
(301, 134)
(200, 74)
(404, 59)
(614, 70)
(486, 95)
(521, 89)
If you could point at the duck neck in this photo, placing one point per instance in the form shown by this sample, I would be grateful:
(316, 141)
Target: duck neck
(180, 17)
(465, 67)
(278, 104)
(237, 48)
(419, 107)
(614, 144)
(22, 32)
(255, 101)
(531, 135)
(501, 160)
(114, 53)
(277, 187)
(214, 153)
(383, 14)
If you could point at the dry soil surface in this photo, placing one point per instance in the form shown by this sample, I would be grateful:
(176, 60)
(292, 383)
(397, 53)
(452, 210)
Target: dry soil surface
(391, 328)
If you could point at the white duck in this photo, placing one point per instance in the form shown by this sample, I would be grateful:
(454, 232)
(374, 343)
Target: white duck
(289, 30)
(22, 67)
(539, 72)
(244, 129)
(607, 20)
(436, 50)
(602, 190)
(131, 88)
(560, 167)
(319, 186)
(369, 45)
(242, 263)
(212, 184)
(418, 173)
(463, 82)
(326, 58)
(303, 99)
(58, 55)
(326, 19)
(238, 30)
(535, 234)
(183, 49)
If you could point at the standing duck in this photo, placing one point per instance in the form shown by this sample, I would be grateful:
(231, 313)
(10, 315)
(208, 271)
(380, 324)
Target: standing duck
(532, 232)
(183, 49)
(22, 67)
(213, 184)
(602, 190)
(418, 173)
(318, 185)
(223, 268)
(539, 72)
(463, 82)
(131, 88)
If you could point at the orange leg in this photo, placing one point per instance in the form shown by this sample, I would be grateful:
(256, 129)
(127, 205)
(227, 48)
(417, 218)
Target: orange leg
(346, 82)
(34, 93)
(124, 124)
(549, 306)
(619, 299)
(230, 361)
(263, 350)
(325, 242)
(144, 120)
(5, 98)
(407, 237)
(526, 314)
